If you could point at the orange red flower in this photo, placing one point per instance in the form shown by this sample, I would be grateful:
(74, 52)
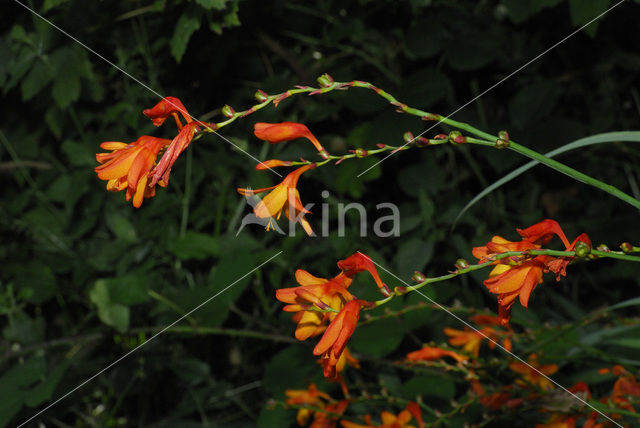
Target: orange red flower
(337, 335)
(429, 353)
(516, 277)
(128, 166)
(286, 131)
(133, 166)
(534, 376)
(309, 397)
(360, 262)
(389, 420)
(283, 197)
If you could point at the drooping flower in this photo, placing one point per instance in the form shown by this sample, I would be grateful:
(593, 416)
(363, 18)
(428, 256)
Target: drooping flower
(359, 262)
(128, 166)
(337, 335)
(321, 292)
(429, 353)
(559, 265)
(534, 373)
(283, 197)
(286, 131)
(168, 106)
(177, 146)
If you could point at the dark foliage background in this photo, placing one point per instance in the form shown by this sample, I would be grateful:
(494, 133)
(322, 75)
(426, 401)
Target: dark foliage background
(85, 277)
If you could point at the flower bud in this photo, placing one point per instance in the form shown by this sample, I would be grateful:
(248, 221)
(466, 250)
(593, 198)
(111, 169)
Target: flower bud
(386, 292)
(456, 137)
(501, 144)
(626, 247)
(408, 137)
(400, 290)
(261, 95)
(325, 80)
(381, 146)
(360, 153)
(440, 137)
(503, 135)
(582, 249)
(418, 277)
(228, 111)
(462, 264)
(603, 248)
(323, 154)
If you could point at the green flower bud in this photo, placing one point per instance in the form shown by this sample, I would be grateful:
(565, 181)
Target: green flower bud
(418, 277)
(408, 137)
(626, 247)
(456, 137)
(228, 111)
(503, 135)
(462, 264)
(325, 81)
(261, 95)
(501, 144)
(582, 249)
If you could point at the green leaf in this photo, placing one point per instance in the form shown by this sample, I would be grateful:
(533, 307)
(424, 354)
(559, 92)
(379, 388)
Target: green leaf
(194, 245)
(521, 10)
(212, 4)
(50, 4)
(43, 392)
(121, 226)
(130, 289)
(39, 77)
(185, 27)
(413, 254)
(608, 137)
(583, 11)
(293, 368)
(275, 417)
(366, 338)
(112, 314)
(80, 154)
(66, 89)
(431, 385)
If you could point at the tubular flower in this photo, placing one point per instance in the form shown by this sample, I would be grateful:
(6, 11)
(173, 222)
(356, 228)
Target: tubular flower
(272, 163)
(336, 336)
(531, 376)
(169, 106)
(283, 197)
(286, 131)
(389, 420)
(314, 291)
(128, 166)
(329, 417)
(429, 353)
(470, 340)
(310, 396)
(360, 262)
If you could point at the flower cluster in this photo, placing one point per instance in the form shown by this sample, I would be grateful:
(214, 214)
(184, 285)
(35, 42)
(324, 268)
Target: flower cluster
(470, 340)
(325, 306)
(517, 276)
(327, 412)
(133, 166)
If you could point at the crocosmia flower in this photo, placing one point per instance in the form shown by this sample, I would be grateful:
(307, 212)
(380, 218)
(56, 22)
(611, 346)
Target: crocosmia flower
(516, 277)
(360, 262)
(430, 353)
(128, 166)
(537, 375)
(311, 396)
(286, 131)
(337, 335)
(283, 197)
(169, 106)
(389, 420)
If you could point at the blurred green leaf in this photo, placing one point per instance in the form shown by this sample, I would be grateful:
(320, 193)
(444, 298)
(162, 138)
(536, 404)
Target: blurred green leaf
(194, 245)
(583, 11)
(533, 102)
(187, 24)
(37, 79)
(366, 338)
(112, 314)
(434, 385)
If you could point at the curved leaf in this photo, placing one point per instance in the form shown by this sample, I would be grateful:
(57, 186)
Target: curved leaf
(607, 137)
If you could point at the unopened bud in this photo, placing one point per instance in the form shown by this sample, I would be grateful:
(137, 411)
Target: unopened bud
(440, 137)
(582, 249)
(457, 137)
(462, 264)
(408, 137)
(381, 146)
(503, 135)
(325, 80)
(399, 290)
(603, 248)
(361, 153)
(385, 290)
(418, 277)
(501, 144)
(261, 95)
(228, 111)
(626, 247)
